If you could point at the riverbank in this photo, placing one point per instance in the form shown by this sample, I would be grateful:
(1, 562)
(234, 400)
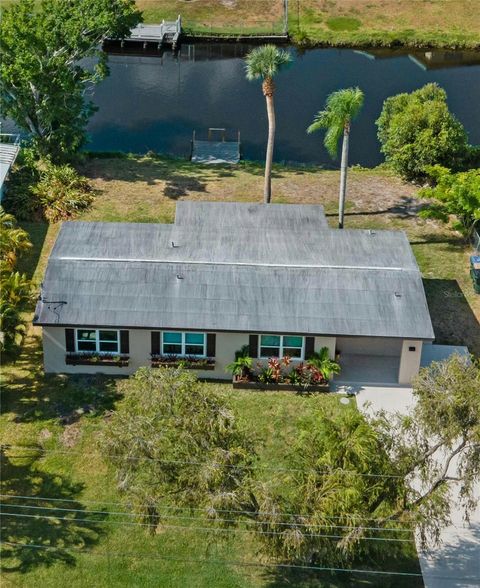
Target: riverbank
(446, 24)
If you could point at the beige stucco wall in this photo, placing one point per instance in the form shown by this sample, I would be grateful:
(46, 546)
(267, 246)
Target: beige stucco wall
(140, 348)
(329, 342)
(409, 361)
(226, 345)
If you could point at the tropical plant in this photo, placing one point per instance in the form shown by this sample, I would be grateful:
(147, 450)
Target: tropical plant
(341, 108)
(241, 367)
(174, 441)
(456, 194)
(265, 63)
(417, 130)
(322, 362)
(61, 192)
(12, 240)
(44, 73)
(15, 298)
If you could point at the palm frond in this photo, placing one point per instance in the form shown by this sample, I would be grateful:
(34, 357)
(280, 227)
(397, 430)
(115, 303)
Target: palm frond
(341, 108)
(265, 62)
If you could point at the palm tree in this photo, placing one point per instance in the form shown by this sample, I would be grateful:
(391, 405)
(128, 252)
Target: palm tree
(264, 63)
(341, 108)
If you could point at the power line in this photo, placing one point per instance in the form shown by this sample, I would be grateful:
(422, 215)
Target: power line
(201, 463)
(212, 519)
(195, 528)
(199, 509)
(218, 562)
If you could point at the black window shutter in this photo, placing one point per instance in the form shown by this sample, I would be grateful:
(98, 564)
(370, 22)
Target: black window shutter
(70, 339)
(211, 340)
(155, 343)
(124, 342)
(309, 347)
(253, 346)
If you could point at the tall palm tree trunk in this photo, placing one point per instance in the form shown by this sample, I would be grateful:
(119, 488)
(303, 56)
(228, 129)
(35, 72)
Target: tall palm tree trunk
(343, 175)
(268, 89)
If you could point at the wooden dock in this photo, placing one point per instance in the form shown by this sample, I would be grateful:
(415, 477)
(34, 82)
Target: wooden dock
(157, 35)
(211, 151)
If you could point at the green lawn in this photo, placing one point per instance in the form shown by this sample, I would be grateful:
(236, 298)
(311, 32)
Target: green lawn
(439, 23)
(66, 413)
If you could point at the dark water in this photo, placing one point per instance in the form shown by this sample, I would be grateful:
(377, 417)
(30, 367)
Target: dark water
(155, 102)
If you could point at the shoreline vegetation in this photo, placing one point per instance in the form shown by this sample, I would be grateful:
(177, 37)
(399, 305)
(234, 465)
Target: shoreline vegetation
(438, 24)
(410, 24)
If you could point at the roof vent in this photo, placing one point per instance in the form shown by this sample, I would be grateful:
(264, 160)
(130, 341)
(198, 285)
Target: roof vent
(371, 232)
(398, 294)
(173, 244)
(179, 277)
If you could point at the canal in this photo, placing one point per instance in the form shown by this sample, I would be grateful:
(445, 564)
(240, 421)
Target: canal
(155, 101)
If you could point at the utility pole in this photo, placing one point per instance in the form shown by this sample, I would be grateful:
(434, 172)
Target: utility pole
(285, 17)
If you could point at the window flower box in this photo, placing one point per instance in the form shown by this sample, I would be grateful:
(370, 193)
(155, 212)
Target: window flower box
(240, 383)
(188, 363)
(108, 360)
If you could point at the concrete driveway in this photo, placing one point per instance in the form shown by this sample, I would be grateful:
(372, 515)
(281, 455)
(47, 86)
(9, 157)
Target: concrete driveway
(456, 563)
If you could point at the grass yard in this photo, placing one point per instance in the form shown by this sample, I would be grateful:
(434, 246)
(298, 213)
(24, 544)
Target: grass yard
(65, 414)
(438, 23)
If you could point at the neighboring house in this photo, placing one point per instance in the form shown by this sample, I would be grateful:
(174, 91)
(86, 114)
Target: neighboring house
(273, 277)
(9, 149)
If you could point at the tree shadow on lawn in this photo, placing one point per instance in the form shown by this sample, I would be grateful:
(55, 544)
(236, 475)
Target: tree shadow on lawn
(31, 395)
(57, 537)
(454, 322)
(283, 577)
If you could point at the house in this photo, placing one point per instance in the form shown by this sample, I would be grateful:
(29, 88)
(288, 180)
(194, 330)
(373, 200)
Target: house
(225, 275)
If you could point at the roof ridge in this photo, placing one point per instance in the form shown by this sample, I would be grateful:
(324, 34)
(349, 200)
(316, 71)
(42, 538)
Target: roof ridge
(235, 263)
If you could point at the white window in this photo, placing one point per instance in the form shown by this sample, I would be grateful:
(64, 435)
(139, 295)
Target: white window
(97, 341)
(281, 345)
(184, 344)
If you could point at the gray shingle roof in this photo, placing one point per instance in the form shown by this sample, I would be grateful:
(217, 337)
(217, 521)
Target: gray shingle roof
(315, 281)
(236, 298)
(170, 243)
(250, 215)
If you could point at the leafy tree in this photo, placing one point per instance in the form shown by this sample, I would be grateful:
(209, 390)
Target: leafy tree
(174, 441)
(332, 495)
(43, 73)
(265, 63)
(335, 489)
(457, 194)
(341, 108)
(437, 445)
(417, 130)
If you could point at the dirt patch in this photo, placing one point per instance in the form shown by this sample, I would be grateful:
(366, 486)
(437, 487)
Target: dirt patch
(71, 435)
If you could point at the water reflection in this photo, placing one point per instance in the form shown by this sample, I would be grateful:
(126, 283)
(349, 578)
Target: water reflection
(155, 100)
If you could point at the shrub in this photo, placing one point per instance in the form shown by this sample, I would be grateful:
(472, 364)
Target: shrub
(456, 194)
(44, 191)
(61, 192)
(417, 130)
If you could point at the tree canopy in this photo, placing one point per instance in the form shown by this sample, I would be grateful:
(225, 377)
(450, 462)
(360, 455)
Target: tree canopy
(174, 441)
(352, 487)
(265, 62)
(417, 130)
(43, 72)
(341, 108)
(455, 194)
